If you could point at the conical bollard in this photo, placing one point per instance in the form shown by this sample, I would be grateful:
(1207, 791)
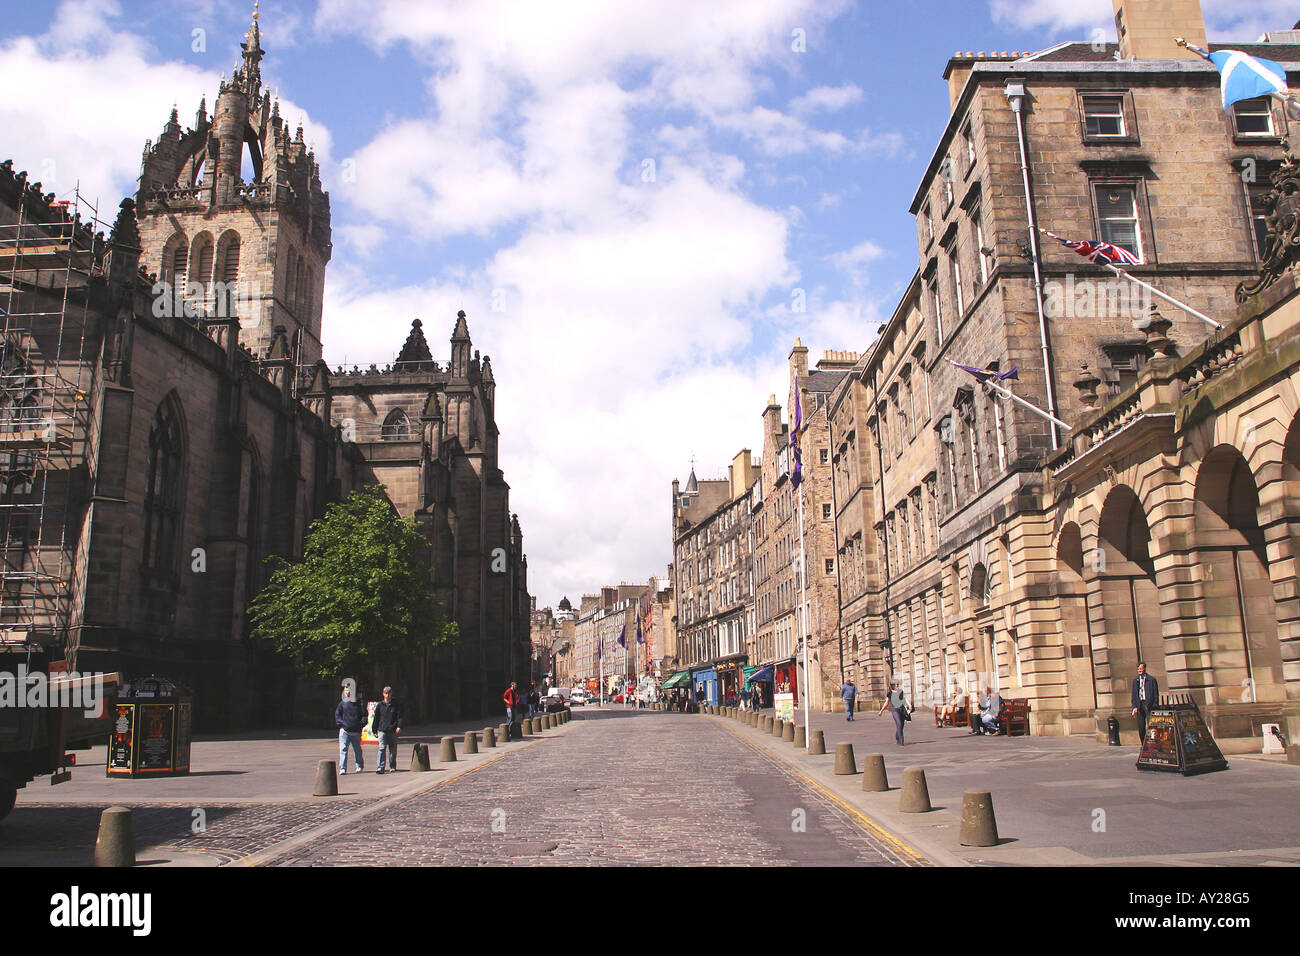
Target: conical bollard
(915, 797)
(874, 778)
(778, 728)
(817, 744)
(797, 738)
(471, 742)
(420, 758)
(327, 779)
(844, 762)
(978, 825)
(767, 724)
(447, 752)
(503, 733)
(489, 737)
(115, 845)
(527, 727)
(787, 732)
(548, 722)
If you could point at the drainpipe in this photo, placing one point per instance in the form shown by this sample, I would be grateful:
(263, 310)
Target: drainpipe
(1015, 94)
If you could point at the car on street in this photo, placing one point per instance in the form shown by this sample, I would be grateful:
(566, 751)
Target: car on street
(578, 698)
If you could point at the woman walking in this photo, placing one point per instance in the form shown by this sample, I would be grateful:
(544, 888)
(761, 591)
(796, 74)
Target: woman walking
(897, 703)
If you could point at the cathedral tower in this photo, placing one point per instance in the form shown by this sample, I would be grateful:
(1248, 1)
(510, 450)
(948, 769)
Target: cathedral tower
(232, 216)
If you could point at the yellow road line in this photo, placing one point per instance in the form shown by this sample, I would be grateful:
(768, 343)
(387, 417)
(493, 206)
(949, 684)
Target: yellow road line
(860, 818)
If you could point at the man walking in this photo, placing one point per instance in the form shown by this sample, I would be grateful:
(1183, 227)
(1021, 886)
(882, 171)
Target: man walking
(849, 694)
(1146, 694)
(513, 704)
(350, 717)
(388, 724)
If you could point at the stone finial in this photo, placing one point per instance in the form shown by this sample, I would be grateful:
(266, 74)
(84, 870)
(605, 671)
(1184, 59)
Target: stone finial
(1156, 328)
(1087, 384)
(125, 232)
(416, 348)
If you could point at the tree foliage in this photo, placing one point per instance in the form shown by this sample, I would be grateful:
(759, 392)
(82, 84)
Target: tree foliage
(362, 593)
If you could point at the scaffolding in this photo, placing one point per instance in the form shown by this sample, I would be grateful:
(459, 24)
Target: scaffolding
(47, 262)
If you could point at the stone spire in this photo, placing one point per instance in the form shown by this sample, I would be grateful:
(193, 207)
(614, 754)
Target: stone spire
(416, 349)
(253, 53)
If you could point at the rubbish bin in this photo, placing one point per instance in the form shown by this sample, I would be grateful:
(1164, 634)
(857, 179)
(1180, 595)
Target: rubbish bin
(152, 730)
(1112, 730)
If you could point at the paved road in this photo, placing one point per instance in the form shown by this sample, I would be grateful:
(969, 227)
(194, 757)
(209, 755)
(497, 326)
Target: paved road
(622, 788)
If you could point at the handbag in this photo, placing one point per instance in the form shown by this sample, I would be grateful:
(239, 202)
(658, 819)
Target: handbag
(906, 712)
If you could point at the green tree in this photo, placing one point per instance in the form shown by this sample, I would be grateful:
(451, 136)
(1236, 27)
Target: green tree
(362, 593)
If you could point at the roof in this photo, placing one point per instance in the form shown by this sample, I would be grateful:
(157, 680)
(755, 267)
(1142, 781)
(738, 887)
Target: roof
(825, 380)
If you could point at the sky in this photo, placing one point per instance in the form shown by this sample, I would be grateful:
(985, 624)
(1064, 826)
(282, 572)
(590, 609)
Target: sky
(630, 200)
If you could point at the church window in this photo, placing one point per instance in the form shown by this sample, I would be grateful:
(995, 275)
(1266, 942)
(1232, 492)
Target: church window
(397, 427)
(164, 488)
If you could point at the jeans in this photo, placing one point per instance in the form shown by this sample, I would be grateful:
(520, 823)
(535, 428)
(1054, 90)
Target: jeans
(388, 744)
(848, 708)
(346, 738)
(898, 723)
(510, 714)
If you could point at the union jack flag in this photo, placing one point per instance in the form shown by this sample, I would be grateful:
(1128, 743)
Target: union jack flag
(1099, 252)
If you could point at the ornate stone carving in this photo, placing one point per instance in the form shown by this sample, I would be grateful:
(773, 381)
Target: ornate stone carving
(1283, 229)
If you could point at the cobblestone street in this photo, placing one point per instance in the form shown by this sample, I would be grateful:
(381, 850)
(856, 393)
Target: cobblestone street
(621, 788)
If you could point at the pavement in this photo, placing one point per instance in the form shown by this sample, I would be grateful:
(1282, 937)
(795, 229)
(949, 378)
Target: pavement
(1058, 801)
(636, 788)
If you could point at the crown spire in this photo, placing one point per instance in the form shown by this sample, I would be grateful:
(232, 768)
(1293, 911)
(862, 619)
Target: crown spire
(253, 52)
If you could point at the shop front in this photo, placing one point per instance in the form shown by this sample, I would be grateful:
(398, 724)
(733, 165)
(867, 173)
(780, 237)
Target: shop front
(731, 681)
(705, 684)
(759, 678)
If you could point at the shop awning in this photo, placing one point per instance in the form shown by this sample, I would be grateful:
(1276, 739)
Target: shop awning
(680, 679)
(759, 674)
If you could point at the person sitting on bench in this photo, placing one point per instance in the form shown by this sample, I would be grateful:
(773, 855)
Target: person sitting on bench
(949, 710)
(990, 711)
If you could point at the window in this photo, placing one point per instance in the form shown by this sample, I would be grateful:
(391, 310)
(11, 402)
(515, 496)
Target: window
(1001, 433)
(824, 455)
(937, 304)
(163, 490)
(397, 427)
(927, 223)
(955, 268)
(948, 195)
(1259, 220)
(968, 138)
(1253, 117)
(826, 512)
(1103, 116)
(830, 565)
(984, 259)
(1117, 217)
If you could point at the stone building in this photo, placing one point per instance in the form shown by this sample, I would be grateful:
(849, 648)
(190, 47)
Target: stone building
(188, 430)
(1129, 144)
(713, 582)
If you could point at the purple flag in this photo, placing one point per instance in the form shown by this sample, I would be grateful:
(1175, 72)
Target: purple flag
(622, 637)
(640, 638)
(984, 374)
(600, 645)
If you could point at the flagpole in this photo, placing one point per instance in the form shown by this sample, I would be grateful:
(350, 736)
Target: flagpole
(1146, 285)
(803, 613)
(1016, 398)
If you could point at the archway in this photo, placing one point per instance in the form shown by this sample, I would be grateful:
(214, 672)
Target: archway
(1241, 613)
(1130, 600)
(1076, 633)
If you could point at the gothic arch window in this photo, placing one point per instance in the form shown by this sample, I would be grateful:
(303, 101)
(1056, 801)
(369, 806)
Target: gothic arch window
(397, 427)
(291, 282)
(175, 261)
(253, 525)
(200, 273)
(165, 487)
(227, 274)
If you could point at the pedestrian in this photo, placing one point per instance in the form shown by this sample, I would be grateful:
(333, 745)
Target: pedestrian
(533, 700)
(986, 722)
(849, 694)
(388, 724)
(1146, 694)
(513, 705)
(757, 695)
(350, 716)
(897, 704)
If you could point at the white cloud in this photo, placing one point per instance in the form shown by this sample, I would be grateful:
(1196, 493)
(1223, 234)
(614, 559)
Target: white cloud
(826, 99)
(852, 262)
(1225, 20)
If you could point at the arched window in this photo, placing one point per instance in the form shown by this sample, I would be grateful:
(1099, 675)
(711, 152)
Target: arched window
(397, 427)
(164, 489)
(228, 275)
(176, 257)
(200, 272)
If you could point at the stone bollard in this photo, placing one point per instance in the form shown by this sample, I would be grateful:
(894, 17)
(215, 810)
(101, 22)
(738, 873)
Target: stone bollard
(798, 738)
(471, 742)
(978, 825)
(503, 733)
(546, 722)
(447, 752)
(327, 779)
(778, 728)
(817, 743)
(420, 758)
(1293, 753)
(874, 778)
(915, 797)
(767, 724)
(489, 737)
(115, 845)
(787, 732)
(844, 762)
(527, 727)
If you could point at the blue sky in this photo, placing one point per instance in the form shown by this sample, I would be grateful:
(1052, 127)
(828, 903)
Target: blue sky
(624, 197)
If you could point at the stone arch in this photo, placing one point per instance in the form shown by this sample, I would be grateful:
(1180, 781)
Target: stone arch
(174, 267)
(1129, 600)
(397, 426)
(165, 478)
(1076, 633)
(1240, 611)
(202, 254)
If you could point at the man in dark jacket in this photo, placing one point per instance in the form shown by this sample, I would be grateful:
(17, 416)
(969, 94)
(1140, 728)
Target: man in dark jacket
(1146, 695)
(350, 716)
(388, 724)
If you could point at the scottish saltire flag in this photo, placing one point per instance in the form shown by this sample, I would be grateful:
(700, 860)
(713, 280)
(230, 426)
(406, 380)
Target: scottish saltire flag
(1244, 77)
(622, 637)
(984, 374)
(796, 475)
(1099, 252)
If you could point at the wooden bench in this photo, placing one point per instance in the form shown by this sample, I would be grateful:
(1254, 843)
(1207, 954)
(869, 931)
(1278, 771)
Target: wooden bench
(959, 718)
(1015, 718)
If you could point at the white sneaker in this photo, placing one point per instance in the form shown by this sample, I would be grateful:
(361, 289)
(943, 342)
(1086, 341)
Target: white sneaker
(343, 772)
